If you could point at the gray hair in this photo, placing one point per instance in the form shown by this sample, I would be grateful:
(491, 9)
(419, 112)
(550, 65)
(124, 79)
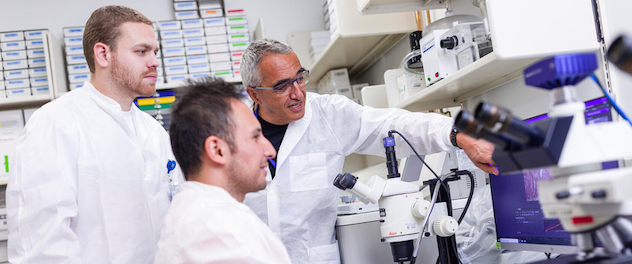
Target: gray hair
(250, 72)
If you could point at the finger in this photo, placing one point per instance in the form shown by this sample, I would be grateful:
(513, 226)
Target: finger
(486, 167)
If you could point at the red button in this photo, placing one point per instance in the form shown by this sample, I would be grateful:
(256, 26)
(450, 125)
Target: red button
(583, 220)
(436, 74)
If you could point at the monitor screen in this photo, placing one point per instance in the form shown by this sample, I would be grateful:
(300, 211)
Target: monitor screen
(520, 223)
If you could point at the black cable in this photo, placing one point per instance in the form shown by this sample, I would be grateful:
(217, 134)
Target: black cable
(548, 255)
(469, 198)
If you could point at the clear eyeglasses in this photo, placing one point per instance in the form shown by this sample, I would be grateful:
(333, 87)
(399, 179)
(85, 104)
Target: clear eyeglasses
(288, 86)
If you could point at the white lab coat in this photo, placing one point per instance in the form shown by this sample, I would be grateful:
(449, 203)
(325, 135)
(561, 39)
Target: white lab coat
(86, 188)
(299, 205)
(205, 224)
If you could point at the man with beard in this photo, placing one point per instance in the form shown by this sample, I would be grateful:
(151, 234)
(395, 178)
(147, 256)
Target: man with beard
(93, 174)
(223, 155)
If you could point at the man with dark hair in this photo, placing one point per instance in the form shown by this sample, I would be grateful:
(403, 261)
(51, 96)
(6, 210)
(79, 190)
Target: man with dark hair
(220, 148)
(94, 174)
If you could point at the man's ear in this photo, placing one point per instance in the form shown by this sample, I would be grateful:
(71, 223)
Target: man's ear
(102, 55)
(217, 150)
(254, 95)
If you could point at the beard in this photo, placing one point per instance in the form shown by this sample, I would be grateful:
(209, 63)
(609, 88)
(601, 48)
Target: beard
(243, 180)
(125, 79)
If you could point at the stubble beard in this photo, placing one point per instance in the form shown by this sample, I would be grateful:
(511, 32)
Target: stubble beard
(125, 79)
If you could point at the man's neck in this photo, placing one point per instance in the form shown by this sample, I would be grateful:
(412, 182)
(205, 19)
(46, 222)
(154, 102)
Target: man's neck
(106, 87)
(217, 178)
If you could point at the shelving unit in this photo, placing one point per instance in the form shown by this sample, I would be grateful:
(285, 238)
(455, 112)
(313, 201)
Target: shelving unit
(165, 86)
(390, 6)
(476, 78)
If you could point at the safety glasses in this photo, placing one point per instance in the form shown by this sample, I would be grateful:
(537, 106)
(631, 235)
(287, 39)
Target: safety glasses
(288, 86)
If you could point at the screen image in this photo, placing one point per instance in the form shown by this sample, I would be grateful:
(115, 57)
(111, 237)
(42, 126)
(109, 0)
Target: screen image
(519, 218)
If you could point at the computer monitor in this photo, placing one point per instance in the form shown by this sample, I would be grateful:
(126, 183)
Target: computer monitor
(520, 223)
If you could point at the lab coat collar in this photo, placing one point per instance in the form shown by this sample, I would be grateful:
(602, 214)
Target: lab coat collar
(294, 133)
(196, 186)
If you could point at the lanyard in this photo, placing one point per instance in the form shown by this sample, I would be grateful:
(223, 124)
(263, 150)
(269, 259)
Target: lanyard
(271, 160)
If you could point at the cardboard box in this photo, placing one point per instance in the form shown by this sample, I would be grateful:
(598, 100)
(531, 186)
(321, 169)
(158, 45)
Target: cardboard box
(34, 44)
(219, 57)
(177, 78)
(170, 43)
(14, 55)
(16, 64)
(195, 50)
(38, 72)
(73, 41)
(16, 74)
(11, 36)
(197, 68)
(171, 34)
(78, 68)
(76, 59)
(34, 34)
(40, 62)
(18, 83)
(173, 52)
(181, 15)
(236, 20)
(175, 61)
(76, 50)
(215, 12)
(192, 23)
(40, 90)
(185, 6)
(214, 22)
(197, 59)
(238, 38)
(73, 32)
(214, 48)
(197, 41)
(39, 81)
(216, 39)
(176, 70)
(169, 25)
(18, 92)
(13, 45)
(35, 53)
(221, 66)
(78, 78)
(193, 32)
(210, 31)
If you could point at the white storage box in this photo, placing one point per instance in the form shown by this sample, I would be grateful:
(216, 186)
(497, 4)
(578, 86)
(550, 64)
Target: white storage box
(236, 56)
(235, 12)
(180, 15)
(78, 78)
(79, 68)
(238, 46)
(214, 22)
(195, 50)
(173, 52)
(223, 74)
(169, 25)
(237, 29)
(199, 75)
(192, 23)
(171, 34)
(73, 41)
(238, 38)
(174, 61)
(39, 81)
(14, 55)
(221, 66)
(216, 39)
(73, 32)
(12, 36)
(176, 70)
(214, 48)
(188, 42)
(34, 44)
(170, 43)
(160, 79)
(219, 57)
(35, 53)
(16, 64)
(177, 78)
(209, 4)
(19, 92)
(16, 74)
(13, 45)
(2, 84)
(185, 6)
(236, 65)
(215, 12)
(193, 32)
(196, 68)
(16, 84)
(197, 59)
(76, 59)
(75, 86)
(2, 77)
(38, 72)
(35, 63)
(236, 20)
(34, 34)
(210, 31)
(40, 90)
(77, 50)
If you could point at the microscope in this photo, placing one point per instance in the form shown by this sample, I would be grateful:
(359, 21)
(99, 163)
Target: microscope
(593, 205)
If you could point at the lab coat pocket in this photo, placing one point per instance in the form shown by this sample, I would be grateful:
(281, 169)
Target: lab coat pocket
(308, 172)
(327, 254)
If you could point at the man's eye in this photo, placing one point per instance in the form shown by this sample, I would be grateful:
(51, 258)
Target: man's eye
(141, 52)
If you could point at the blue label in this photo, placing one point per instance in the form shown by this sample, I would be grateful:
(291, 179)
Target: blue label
(8, 35)
(173, 50)
(13, 44)
(75, 39)
(80, 67)
(41, 89)
(216, 20)
(171, 32)
(198, 66)
(78, 57)
(178, 78)
(175, 60)
(193, 31)
(200, 57)
(196, 48)
(39, 70)
(37, 42)
(191, 22)
(39, 61)
(17, 82)
(38, 33)
(173, 41)
(176, 68)
(13, 54)
(199, 75)
(76, 30)
(40, 80)
(14, 62)
(38, 52)
(185, 5)
(80, 76)
(16, 73)
(17, 91)
(76, 48)
(186, 13)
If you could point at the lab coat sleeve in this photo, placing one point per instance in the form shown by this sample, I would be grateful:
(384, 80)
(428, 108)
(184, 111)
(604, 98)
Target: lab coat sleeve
(360, 129)
(42, 192)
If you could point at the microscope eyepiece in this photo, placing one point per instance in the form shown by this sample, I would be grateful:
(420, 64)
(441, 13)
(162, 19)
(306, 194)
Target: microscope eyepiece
(345, 181)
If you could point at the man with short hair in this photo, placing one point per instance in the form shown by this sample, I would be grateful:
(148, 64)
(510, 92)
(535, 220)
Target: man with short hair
(94, 174)
(313, 134)
(220, 148)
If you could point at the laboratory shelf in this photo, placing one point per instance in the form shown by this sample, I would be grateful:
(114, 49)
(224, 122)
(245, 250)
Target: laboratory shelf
(24, 101)
(476, 78)
(389, 6)
(165, 86)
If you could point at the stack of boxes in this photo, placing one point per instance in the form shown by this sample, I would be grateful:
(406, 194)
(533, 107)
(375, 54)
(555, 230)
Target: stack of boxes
(331, 17)
(23, 64)
(78, 71)
(336, 82)
(318, 40)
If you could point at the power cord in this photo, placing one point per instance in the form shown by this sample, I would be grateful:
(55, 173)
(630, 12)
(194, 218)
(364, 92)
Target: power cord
(612, 102)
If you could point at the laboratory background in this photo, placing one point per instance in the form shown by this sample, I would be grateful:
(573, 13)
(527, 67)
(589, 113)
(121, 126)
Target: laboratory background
(510, 71)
